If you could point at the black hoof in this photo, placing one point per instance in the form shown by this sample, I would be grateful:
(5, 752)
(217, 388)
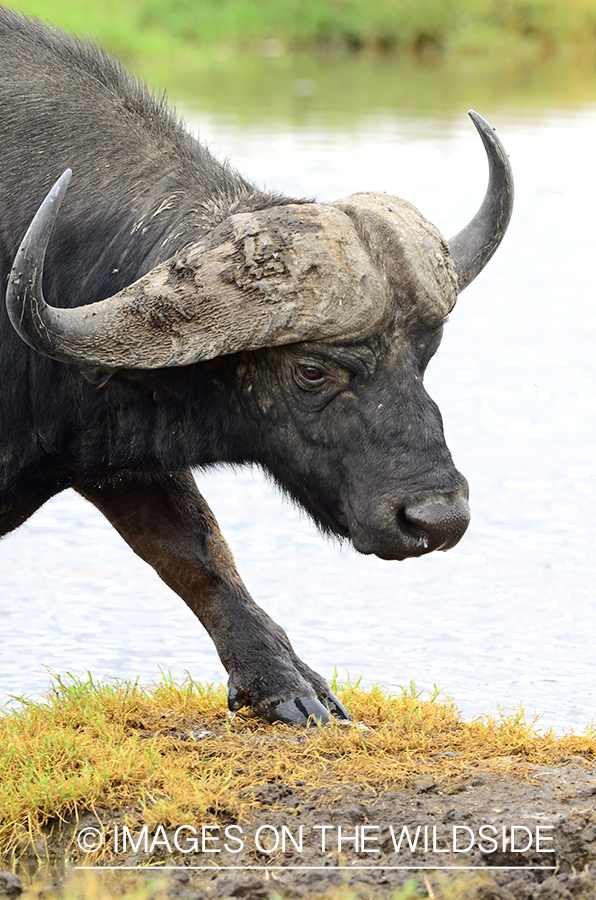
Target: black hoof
(336, 708)
(307, 711)
(237, 698)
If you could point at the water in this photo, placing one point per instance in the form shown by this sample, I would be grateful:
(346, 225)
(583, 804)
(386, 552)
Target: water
(507, 617)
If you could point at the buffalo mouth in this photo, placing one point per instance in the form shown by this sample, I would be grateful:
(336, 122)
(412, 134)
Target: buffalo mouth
(401, 530)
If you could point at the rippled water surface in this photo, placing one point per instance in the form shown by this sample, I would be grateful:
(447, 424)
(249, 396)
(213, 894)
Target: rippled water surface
(509, 616)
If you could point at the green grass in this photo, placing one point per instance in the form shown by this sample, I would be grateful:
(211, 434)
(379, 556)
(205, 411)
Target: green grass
(89, 886)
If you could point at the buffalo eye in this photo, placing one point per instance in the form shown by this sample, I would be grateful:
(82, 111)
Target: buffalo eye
(308, 375)
(311, 373)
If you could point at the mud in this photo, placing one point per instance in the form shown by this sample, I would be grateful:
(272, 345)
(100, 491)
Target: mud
(482, 836)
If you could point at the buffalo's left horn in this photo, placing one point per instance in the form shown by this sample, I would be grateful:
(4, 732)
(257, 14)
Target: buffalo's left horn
(472, 248)
(290, 273)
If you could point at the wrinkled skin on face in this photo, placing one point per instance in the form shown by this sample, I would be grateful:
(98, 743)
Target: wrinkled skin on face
(364, 438)
(350, 433)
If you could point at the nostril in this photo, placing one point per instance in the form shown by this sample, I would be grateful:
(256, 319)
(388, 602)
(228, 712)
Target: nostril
(441, 521)
(409, 525)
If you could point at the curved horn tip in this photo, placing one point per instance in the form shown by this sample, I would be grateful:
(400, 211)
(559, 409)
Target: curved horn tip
(54, 198)
(24, 296)
(59, 189)
(479, 121)
(38, 234)
(62, 183)
(488, 134)
(474, 245)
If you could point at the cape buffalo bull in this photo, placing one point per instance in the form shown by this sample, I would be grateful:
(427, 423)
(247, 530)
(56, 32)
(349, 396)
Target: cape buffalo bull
(189, 318)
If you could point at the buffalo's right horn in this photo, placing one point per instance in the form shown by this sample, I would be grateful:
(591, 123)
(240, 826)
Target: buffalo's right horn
(472, 248)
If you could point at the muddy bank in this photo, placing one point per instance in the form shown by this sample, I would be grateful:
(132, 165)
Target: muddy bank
(530, 837)
(162, 787)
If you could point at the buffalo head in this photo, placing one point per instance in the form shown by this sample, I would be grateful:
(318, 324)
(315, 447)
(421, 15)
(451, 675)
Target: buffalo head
(327, 315)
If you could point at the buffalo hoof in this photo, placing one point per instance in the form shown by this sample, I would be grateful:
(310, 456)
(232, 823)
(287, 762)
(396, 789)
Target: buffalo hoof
(307, 711)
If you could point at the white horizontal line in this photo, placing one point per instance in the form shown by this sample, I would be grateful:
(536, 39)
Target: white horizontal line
(308, 868)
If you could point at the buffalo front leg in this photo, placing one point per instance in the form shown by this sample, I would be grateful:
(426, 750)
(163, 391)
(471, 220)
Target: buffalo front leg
(167, 522)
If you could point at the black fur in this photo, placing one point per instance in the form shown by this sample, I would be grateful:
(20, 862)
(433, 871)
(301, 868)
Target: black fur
(67, 103)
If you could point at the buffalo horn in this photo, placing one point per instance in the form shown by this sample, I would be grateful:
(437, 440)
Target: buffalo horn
(289, 273)
(472, 248)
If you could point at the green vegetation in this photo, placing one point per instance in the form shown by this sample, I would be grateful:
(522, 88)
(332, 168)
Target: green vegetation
(136, 886)
(170, 755)
(457, 26)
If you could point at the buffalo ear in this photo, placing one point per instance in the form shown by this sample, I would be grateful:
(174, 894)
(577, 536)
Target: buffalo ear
(97, 376)
(163, 384)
